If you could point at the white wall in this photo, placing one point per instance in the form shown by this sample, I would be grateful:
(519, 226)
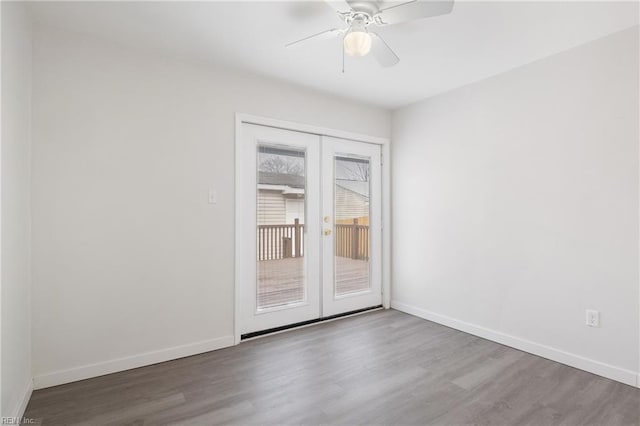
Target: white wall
(515, 206)
(16, 211)
(129, 258)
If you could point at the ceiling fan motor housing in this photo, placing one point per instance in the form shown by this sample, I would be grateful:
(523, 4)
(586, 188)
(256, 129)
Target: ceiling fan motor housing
(369, 8)
(359, 22)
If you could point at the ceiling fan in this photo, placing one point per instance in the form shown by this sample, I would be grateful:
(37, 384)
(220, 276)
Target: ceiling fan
(359, 15)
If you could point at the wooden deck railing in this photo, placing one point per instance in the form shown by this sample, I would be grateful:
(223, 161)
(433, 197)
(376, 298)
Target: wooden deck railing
(352, 240)
(280, 241)
(285, 241)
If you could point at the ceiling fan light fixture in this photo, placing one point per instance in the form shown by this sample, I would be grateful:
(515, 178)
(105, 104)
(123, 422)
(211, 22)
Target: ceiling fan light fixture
(357, 42)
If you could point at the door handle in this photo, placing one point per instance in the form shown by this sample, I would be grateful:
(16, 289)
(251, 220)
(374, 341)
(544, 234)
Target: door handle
(327, 232)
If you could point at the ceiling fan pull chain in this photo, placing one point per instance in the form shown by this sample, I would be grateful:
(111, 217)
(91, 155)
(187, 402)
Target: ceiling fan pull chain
(342, 58)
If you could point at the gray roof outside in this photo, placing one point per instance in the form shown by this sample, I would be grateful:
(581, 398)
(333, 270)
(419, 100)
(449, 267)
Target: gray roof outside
(295, 181)
(270, 178)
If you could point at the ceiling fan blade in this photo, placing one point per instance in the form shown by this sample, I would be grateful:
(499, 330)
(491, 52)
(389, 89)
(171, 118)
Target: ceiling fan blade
(411, 10)
(319, 36)
(382, 52)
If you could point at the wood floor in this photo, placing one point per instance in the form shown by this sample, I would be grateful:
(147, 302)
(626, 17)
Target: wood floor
(383, 367)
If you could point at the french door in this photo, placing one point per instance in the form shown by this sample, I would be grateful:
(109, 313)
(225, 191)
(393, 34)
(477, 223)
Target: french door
(310, 227)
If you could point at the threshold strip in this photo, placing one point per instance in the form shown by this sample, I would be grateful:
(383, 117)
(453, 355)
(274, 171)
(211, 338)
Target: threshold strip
(303, 323)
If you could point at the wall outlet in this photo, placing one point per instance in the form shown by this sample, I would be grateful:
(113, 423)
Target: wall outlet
(593, 318)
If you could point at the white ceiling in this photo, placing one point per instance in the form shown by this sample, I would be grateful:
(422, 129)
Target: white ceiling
(477, 40)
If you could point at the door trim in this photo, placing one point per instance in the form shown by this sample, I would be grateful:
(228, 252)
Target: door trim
(241, 118)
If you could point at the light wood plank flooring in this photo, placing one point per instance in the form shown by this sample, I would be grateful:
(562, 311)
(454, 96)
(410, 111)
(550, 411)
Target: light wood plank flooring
(383, 367)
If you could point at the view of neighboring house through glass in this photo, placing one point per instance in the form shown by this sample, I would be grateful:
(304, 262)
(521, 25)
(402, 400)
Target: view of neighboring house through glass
(351, 211)
(280, 226)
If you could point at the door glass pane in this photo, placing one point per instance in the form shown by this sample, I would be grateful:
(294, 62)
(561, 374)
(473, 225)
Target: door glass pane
(351, 211)
(280, 226)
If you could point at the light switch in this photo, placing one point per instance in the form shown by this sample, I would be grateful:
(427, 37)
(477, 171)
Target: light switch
(593, 318)
(213, 196)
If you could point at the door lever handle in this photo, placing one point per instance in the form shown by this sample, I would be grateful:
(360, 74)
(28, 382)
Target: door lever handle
(327, 232)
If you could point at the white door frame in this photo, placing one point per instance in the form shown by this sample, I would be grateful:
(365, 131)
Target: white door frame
(320, 131)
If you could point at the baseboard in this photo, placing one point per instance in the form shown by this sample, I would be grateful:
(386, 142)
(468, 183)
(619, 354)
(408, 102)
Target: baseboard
(113, 366)
(21, 406)
(592, 366)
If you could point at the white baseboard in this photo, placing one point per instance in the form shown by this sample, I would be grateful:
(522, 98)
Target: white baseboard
(21, 406)
(592, 366)
(113, 366)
